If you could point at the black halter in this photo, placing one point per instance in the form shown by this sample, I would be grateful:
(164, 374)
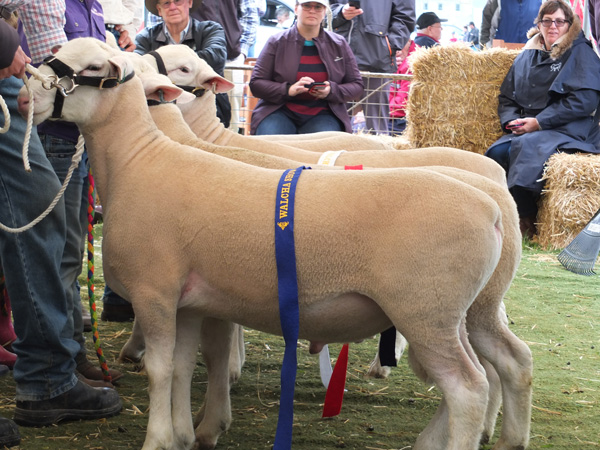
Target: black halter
(63, 71)
(162, 69)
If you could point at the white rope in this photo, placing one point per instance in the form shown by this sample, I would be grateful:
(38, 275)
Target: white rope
(79, 149)
(6, 126)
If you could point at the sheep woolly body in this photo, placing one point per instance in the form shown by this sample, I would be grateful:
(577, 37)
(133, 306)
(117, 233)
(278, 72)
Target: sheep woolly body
(169, 120)
(240, 285)
(200, 115)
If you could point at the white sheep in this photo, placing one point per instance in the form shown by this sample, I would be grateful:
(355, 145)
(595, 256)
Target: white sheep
(377, 238)
(170, 121)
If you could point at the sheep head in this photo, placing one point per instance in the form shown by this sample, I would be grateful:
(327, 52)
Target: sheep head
(87, 57)
(185, 68)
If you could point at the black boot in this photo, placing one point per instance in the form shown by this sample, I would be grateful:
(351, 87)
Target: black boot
(82, 402)
(9, 433)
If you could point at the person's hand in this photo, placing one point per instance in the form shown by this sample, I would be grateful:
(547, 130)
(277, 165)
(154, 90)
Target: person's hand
(524, 125)
(320, 93)
(298, 86)
(17, 67)
(125, 41)
(350, 12)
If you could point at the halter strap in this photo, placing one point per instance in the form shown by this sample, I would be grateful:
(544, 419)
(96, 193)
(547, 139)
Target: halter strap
(64, 71)
(160, 63)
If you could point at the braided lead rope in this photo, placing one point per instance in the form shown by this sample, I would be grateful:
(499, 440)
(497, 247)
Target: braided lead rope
(80, 147)
(6, 125)
(74, 163)
(90, 279)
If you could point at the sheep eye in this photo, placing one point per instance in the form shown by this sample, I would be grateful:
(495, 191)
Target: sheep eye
(184, 69)
(93, 68)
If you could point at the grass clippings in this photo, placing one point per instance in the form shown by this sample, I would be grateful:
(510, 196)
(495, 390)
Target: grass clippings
(556, 312)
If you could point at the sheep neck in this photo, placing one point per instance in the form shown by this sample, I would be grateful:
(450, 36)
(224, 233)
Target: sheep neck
(198, 117)
(115, 136)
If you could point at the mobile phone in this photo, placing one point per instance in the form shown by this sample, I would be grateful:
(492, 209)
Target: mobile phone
(515, 125)
(316, 85)
(355, 3)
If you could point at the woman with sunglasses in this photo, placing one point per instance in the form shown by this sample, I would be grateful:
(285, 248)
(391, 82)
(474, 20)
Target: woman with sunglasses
(304, 76)
(549, 102)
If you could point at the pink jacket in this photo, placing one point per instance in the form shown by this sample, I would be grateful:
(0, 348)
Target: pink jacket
(399, 89)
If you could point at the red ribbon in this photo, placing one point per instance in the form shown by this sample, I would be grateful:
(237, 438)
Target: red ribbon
(335, 391)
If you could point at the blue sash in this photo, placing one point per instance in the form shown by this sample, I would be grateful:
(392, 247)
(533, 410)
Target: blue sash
(289, 315)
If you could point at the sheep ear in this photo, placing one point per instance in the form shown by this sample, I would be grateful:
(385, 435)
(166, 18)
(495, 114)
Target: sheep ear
(122, 64)
(170, 92)
(220, 84)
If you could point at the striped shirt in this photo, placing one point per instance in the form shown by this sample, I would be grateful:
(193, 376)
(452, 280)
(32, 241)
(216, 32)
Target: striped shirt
(43, 22)
(304, 107)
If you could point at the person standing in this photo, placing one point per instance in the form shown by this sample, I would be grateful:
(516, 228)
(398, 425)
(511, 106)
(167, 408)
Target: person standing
(399, 91)
(291, 62)
(375, 31)
(429, 27)
(47, 388)
(509, 20)
(473, 37)
(239, 19)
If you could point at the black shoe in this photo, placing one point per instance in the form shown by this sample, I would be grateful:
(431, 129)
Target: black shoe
(117, 313)
(9, 433)
(82, 402)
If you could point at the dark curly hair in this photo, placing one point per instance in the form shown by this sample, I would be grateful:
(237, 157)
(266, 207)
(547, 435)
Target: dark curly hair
(551, 6)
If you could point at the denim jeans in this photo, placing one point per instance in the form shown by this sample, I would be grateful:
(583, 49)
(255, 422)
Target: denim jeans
(31, 260)
(279, 123)
(60, 153)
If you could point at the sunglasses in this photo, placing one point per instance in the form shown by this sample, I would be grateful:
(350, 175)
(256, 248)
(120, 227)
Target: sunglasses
(316, 6)
(558, 22)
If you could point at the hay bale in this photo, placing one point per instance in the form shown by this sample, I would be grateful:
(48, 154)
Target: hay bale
(453, 99)
(570, 198)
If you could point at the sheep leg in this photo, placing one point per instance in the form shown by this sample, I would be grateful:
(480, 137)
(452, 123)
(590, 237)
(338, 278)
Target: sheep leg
(458, 423)
(237, 356)
(134, 348)
(376, 370)
(215, 342)
(184, 361)
(513, 362)
(158, 327)
(494, 400)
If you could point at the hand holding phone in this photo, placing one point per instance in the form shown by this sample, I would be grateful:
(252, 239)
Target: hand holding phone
(515, 125)
(354, 3)
(316, 85)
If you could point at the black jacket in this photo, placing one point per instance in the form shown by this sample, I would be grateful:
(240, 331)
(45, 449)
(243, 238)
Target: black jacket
(206, 38)
(375, 35)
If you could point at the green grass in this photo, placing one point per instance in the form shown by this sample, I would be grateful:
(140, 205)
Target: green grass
(557, 313)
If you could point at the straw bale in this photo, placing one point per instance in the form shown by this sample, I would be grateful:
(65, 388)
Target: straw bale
(570, 198)
(453, 98)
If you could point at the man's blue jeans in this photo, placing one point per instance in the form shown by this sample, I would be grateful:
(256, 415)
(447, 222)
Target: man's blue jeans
(60, 153)
(279, 123)
(31, 261)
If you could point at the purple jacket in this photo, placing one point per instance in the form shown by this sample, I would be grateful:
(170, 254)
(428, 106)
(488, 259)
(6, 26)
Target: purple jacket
(82, 19)
(277, 68)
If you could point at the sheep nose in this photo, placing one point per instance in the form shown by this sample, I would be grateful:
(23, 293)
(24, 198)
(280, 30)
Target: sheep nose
(23, 105)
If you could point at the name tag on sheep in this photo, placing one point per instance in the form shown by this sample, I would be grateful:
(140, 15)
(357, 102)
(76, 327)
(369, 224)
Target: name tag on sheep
(285, 255)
